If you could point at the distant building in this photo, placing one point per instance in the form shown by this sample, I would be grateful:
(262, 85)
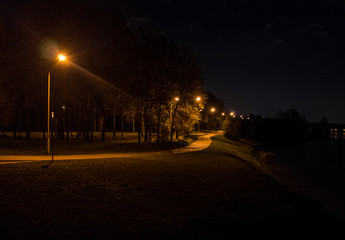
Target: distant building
(329, 131)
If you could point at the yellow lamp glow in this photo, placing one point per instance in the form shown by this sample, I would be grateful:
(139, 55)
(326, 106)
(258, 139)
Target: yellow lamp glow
(61, 57)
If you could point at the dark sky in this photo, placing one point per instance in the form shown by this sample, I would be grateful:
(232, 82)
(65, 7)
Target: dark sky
(259, 56)
(263, 56)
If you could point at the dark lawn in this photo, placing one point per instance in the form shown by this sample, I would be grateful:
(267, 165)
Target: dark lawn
(201, 195)
(36, 145)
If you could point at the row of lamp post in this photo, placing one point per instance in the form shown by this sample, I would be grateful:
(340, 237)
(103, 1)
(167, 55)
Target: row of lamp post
(176, 99)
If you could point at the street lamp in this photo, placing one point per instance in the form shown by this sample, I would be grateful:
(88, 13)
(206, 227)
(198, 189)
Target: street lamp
(176, 99)
(60, 59)
(198, 99)
(64, 120)
(212, 110)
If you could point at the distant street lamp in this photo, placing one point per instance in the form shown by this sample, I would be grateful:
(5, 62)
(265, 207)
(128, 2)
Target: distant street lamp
(60, 59)
(176, 99)
(212, 110)
(198, 99)
(64, 120)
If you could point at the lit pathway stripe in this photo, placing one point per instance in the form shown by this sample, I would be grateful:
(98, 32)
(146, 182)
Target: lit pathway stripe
(202, 143)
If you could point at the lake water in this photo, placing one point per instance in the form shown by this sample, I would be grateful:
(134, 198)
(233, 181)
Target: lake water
(316, 168)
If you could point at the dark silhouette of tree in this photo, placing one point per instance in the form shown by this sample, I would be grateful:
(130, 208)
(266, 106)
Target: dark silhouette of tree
(210, 119)
(288, 128)
(165, 71)
(129, 73)
(324, 121)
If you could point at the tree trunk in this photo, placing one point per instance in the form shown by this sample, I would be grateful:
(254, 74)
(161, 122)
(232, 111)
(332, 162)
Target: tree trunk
(144, 119)
(78, 123)
(114, 125)
(103, 135)
(19, 121)
(139, 127)
(121, 125)
(159, 121)
(27, 123)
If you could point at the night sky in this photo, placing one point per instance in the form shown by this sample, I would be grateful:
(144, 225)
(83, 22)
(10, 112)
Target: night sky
(260, 57)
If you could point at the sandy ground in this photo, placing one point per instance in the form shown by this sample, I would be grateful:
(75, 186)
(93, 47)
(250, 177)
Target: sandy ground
(208, 194)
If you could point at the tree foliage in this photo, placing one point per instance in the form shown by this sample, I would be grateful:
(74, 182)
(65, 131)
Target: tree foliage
(112, 70)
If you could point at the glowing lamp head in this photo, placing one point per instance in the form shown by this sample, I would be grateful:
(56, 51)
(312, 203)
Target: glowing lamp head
(213, 109)
(198, 99)
(61, 57)
(176, 99)
(223, 114)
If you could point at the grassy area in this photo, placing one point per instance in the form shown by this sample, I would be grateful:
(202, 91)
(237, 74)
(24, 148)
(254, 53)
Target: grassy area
(243, 149)
(202, 195)
(37, 145)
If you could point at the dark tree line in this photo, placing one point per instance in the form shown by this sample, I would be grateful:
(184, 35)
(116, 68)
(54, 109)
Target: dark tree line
(288, 127)
(116, 76)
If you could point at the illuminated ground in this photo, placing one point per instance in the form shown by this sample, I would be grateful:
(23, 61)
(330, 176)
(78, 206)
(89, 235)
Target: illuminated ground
(200, 144)
(209, 194)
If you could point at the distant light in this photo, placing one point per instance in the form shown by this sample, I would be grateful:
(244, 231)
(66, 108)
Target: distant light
(61, 57)
(198, 99)
(63, 107)
(232, 113)
(223, 114)
(176, 98)
(213, 109)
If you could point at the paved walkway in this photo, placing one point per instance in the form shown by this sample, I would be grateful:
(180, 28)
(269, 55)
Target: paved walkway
(202, 143)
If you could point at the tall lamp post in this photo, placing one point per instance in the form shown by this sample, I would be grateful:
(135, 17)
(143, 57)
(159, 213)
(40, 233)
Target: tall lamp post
(176, 99)
(198, 99)
(60, 59)
(212, 110)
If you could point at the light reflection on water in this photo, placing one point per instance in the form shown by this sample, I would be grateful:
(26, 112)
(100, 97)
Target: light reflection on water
(337, 133)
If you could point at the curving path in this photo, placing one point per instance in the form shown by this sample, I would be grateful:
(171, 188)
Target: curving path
(202, 143)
